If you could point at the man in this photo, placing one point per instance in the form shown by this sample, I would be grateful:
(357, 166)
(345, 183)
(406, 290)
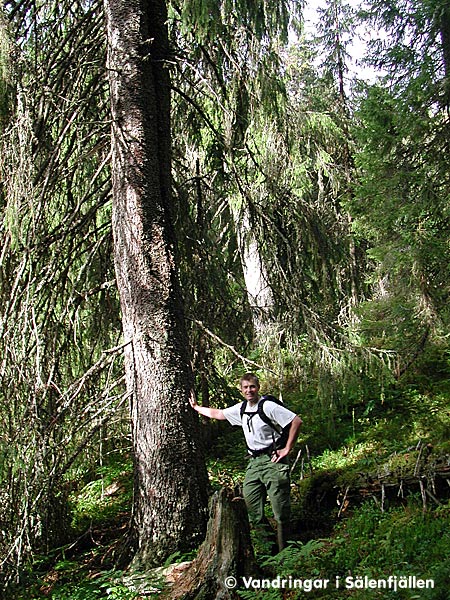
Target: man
(267, 473)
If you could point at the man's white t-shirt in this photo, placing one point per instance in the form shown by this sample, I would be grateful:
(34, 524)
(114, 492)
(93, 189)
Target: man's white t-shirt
(259, 435)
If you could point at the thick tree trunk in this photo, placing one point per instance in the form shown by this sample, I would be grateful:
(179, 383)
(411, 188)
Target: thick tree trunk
(170, 474)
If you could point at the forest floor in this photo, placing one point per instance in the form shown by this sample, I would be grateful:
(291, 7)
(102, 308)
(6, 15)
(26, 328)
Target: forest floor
(371, 504)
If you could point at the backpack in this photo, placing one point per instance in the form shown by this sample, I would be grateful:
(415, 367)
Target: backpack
(282, 432)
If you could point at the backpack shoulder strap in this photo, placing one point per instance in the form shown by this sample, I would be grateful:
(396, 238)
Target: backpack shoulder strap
(283, 432)
(263, 415)
(243, 407)
(260, 412)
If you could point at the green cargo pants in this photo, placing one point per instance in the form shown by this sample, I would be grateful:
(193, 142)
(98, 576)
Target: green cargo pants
(264, 478)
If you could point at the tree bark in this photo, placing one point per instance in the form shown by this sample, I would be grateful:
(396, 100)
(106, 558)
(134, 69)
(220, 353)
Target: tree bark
(225, 556)
(259, 292)
(169, 512)
(444, 26)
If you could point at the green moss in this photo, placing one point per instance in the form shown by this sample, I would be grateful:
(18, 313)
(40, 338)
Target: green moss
(104, 498)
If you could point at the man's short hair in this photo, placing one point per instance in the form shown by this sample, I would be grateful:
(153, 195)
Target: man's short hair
(249, 377)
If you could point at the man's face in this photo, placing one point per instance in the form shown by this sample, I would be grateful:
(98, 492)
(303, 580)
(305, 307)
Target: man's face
(250, 391)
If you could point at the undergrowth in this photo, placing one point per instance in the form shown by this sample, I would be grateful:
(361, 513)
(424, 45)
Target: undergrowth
(397, 543)
(400, 537)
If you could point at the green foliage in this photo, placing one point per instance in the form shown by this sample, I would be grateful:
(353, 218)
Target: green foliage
(227, 460)
(62, 385)
(366, 541)
(75, 584)
(401, 540)
(103, 587)
(401, 202)
(103, 499)
(286, 561)
(256, 130)
(212, 19)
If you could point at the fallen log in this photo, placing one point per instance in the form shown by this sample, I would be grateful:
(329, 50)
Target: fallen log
(417, 472)
(225, 556)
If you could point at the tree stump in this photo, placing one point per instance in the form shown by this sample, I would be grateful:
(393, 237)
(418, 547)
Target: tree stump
(225, 556)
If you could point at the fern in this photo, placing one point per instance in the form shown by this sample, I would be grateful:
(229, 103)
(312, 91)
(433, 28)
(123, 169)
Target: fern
(290, 557)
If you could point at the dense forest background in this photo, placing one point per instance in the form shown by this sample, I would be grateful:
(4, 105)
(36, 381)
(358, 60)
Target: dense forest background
(311, 214)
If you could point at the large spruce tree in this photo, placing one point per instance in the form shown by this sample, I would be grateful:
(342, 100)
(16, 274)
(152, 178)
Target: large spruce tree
(170, 475)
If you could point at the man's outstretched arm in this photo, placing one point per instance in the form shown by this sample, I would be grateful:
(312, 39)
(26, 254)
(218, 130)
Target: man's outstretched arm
(206, 411)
